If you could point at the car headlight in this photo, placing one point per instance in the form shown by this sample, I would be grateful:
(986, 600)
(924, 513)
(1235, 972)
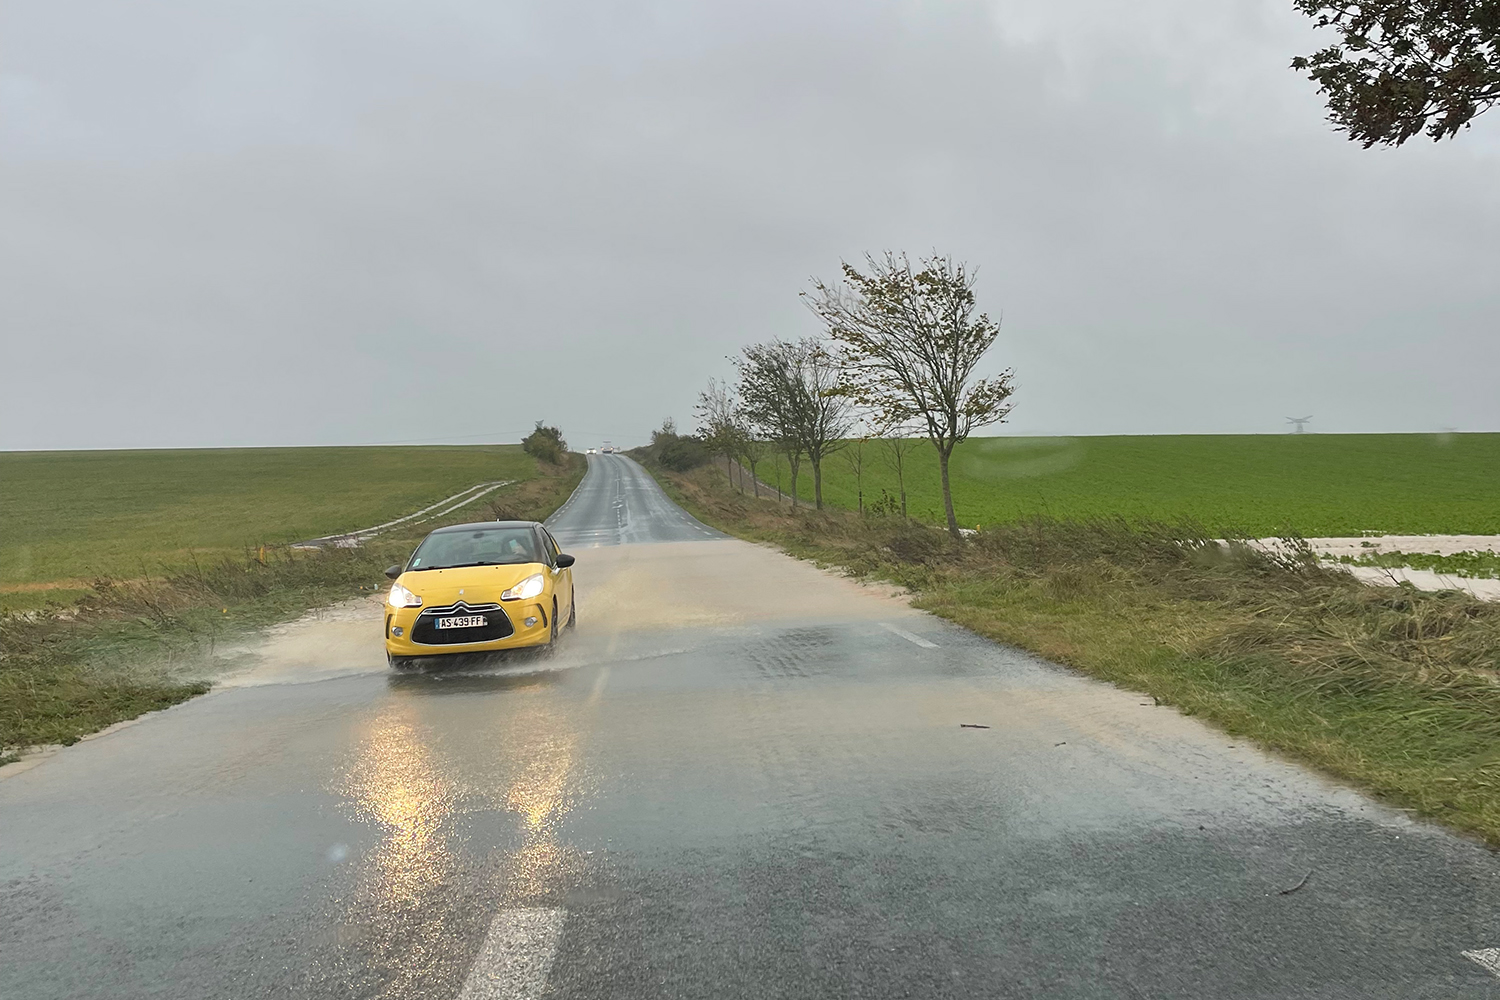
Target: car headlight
(402, 598)
(529, 587)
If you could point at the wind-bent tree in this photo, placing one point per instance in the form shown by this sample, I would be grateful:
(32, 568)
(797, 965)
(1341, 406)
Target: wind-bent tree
(768, 391)
(911, 341)
(752, 449)
(827, 412)
(718, 424)
(792, 390)
(1405, 66)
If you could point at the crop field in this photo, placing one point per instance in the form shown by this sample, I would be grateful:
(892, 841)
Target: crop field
(69, 517)
(1255, 485)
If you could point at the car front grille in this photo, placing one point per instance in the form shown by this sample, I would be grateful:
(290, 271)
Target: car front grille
(497, 625)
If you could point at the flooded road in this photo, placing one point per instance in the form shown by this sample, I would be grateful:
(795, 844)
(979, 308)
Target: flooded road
(740, 777)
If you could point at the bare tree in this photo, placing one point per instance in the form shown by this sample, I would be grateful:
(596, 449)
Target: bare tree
(897, 449)
(911, 341)
(791, 390)
(854, 458)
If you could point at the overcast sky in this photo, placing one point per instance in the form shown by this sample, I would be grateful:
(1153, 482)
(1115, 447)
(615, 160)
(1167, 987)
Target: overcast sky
(366, 221)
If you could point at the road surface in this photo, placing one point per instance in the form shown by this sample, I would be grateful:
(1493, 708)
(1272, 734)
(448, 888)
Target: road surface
(618, 503)
(741, 777)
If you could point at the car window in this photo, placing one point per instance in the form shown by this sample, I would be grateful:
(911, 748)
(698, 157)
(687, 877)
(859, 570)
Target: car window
(480, 547)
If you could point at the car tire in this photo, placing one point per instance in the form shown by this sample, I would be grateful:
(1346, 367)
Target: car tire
(572, 608)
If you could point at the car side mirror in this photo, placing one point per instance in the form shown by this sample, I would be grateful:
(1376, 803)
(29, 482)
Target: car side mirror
(393, 572)
(564, 560)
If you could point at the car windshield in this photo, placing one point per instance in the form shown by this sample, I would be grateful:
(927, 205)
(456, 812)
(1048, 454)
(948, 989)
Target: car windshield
(479, 547)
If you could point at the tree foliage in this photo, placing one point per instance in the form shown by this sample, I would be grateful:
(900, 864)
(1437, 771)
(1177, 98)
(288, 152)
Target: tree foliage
(1402, 67)
(768, 395)
(678, 452)
(546, 444)
(911, 341)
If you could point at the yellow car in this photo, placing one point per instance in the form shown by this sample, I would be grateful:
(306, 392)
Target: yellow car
(477, 587)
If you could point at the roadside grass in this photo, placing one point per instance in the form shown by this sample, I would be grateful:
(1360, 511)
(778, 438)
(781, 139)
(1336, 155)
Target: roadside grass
(1252, 485)
(132, 645)
(1392, 689)
(79, 515)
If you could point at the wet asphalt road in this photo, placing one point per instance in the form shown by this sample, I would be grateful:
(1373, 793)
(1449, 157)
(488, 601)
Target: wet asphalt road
(741, 778)
(618, 503)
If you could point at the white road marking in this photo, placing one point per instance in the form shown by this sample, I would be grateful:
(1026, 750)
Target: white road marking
(599, 683)
(351, 539)
(909, 637)
(1489, 958)
(516, 956)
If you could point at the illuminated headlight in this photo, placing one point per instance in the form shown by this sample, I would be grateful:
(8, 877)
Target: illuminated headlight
(529, 587)
(402, 598)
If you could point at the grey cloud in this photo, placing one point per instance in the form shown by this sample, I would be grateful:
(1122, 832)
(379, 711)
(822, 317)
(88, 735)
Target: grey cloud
(342, 222)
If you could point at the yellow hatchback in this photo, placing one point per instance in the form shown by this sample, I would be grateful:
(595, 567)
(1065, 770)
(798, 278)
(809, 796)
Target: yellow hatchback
(476, 587)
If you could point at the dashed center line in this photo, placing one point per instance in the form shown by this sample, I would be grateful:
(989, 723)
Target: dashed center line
(909, 637)
(516, 956)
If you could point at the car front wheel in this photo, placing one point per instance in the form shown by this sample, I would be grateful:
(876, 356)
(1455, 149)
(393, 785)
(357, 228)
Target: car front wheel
(552, 639)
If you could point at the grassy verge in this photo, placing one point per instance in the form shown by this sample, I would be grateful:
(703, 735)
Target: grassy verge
(1388, 688)
(129, 646)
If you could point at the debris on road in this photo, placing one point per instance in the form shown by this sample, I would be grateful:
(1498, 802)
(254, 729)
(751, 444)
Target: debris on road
(1288, 892)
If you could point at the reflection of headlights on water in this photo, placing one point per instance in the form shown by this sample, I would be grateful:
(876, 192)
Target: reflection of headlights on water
(402, 598)
(529, 587)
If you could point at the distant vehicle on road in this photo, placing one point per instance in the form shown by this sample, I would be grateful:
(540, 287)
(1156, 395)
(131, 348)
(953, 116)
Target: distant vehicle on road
(591, 451)
(476, 587)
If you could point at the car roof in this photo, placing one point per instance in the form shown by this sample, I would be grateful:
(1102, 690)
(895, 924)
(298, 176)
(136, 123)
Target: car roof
(481, 525)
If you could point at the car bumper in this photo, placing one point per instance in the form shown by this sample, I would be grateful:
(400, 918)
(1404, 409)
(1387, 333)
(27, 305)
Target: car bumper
(404, 619)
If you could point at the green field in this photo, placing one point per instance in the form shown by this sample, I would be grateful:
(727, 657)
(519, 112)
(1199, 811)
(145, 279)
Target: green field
(76, 515)
(170, 533)
(1258, 485)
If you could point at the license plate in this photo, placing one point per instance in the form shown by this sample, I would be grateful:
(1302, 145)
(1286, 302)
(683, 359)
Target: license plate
(463, 621)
